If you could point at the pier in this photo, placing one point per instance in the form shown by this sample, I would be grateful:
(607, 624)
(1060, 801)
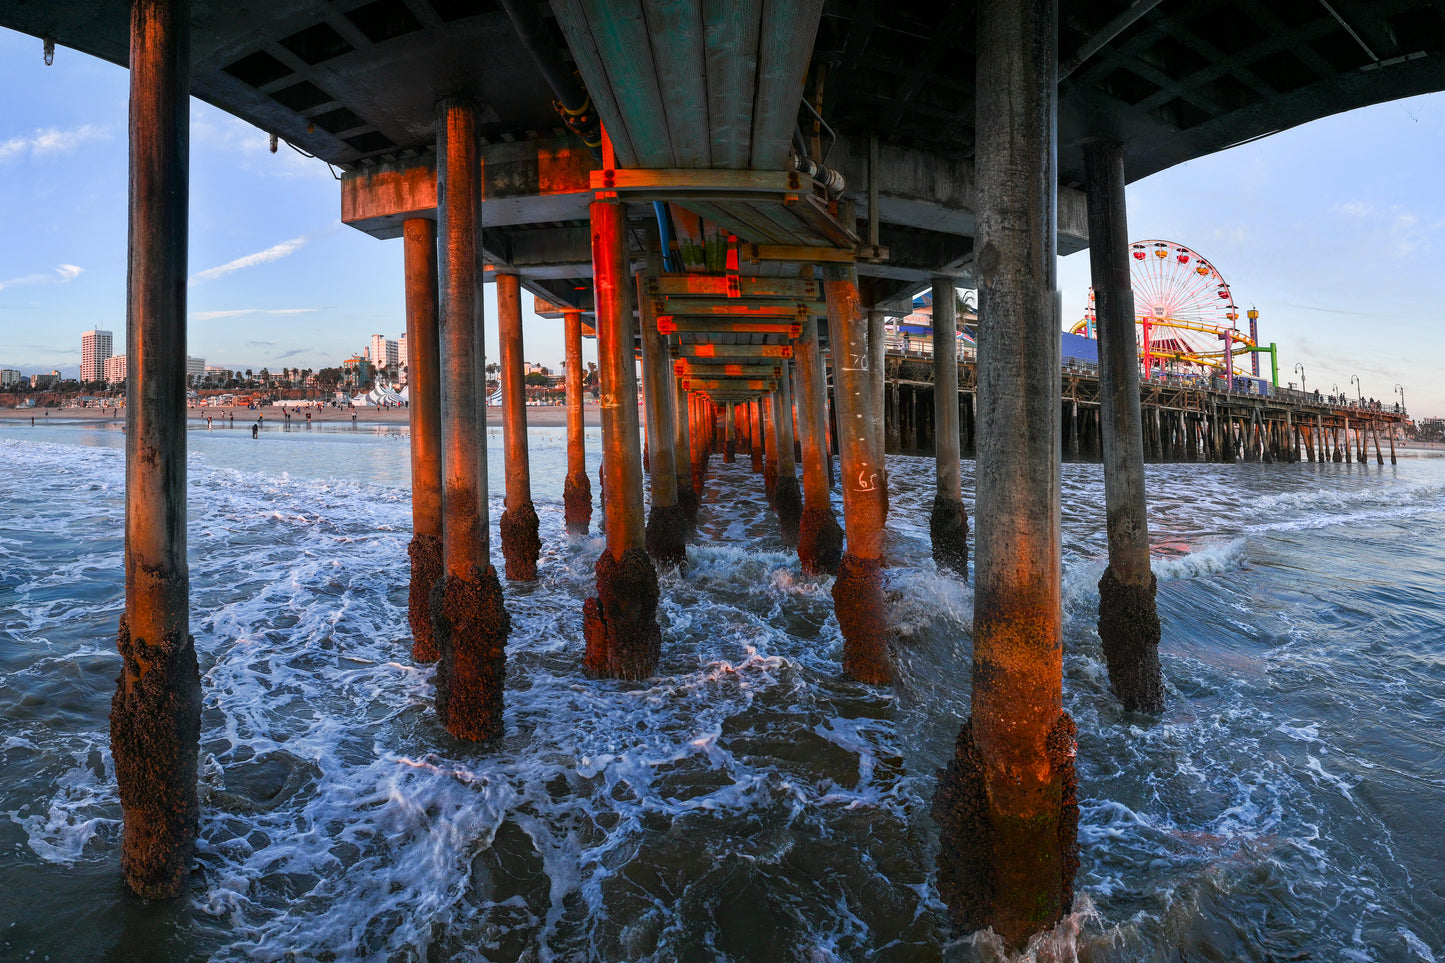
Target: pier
(738, 193)
(1182, 420)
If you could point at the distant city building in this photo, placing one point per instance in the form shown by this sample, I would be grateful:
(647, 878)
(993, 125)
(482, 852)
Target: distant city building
(115, 369)
(195, 368)
(95, 347)
(401, 353)
(41, 380)
(384, 353)
(9, 376)
(356, 372)
(219, 374)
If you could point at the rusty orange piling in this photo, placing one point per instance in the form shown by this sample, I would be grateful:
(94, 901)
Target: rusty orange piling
(155, 714)
(619, 623)
(687, 489)
(858, 591)
(521, 545)
(731, 444)
(1128, 618)
(577, 487)
(767, 412)
(787, 497)
(423, 365)
(666, 533)
(471, 623)
(1006, 803)
(755, 435)
(820, 538)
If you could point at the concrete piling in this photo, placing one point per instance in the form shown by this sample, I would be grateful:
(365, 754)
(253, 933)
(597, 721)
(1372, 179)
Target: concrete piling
(666, 532)
(820, 538)
(682, 446)
(577, 488)
(1128, 617)
(521, 544)
(423, 365)
(755, 436)
(730, 449)
(155, 714)
(767, 415)
(948, 522)
(619, 623)
(471, 623)
(858, 590)
(787, 496)
(1006, 803)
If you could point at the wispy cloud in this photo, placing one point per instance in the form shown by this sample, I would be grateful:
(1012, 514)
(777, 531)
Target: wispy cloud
(238, 312)
(273, 253)
(62, 273)
(291, 354)
(49, 140)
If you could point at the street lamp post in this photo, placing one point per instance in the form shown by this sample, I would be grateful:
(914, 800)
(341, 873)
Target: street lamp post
(1301, 369)
(1401, 390)
(1359, 389)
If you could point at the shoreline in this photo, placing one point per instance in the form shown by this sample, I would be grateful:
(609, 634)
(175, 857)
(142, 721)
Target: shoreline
(538, 416)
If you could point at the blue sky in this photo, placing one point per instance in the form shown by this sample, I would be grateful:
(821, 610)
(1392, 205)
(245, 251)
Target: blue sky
(1333, 230)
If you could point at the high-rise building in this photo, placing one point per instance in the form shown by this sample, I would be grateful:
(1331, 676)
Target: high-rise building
(115, 369)
(9, 376)
(95, 347)
(195, 368)
(384, 354)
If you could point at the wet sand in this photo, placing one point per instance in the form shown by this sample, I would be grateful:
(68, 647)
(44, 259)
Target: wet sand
(538, 416)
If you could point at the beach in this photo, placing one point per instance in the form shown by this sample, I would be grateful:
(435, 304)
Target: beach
(538, 416)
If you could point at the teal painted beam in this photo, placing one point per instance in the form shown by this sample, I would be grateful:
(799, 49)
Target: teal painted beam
(786, 48)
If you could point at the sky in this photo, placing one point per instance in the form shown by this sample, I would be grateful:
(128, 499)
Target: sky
(1333, 230)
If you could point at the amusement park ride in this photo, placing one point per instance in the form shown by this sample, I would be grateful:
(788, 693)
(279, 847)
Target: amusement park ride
(1185, 317)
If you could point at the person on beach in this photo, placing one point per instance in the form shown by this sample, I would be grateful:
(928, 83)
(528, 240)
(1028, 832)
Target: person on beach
(208, 422)
(256, 430)
(32, 421)
(353, 419)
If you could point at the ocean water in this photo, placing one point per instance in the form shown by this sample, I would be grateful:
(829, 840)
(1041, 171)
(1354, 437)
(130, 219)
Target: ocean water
(747, 803)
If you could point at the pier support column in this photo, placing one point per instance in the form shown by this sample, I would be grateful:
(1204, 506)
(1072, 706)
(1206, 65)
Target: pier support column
(666, 535)
(767, 414)
(820, 539)
(1006, 803)
(755, 436)
(787, 496)
(620, 622)
(471, 623)
(155, 714)
(423, 366)
(878, 375)
(731, 445)
(1128, 617)
(858, 591)
(521, 544)
(689, 480)
(948, 522)
(577, 488)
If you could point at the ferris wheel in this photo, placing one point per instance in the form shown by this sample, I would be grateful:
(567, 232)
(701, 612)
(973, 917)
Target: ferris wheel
(1184, 312)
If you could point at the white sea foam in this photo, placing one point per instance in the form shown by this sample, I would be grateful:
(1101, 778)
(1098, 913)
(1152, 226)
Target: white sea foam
(628, 820)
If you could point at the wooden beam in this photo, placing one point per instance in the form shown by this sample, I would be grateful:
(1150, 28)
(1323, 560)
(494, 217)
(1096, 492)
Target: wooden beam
(671, 325)
(715, 384)
(628, 180)
(710, 350)
(736, 307)
(755, 253)
(707, 285)
(683, 368)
